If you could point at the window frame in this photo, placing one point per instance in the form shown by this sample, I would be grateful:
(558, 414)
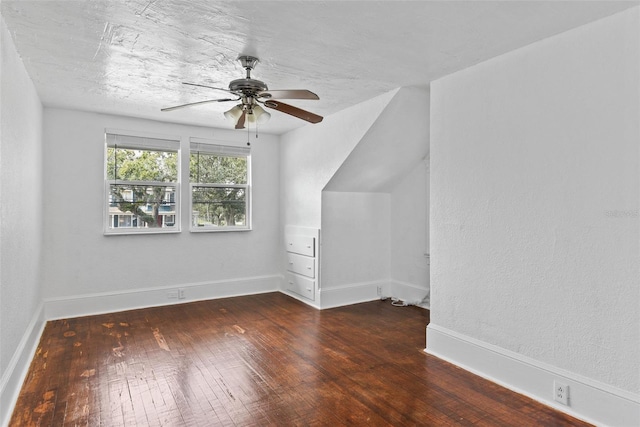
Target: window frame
(145, 141)
(220, 148)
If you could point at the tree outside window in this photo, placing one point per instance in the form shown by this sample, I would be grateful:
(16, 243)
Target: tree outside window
(142, 182)
(220, 183)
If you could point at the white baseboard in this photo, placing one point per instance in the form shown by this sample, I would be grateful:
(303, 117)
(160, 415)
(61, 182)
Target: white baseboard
(589, 400)
(111, 302)
(368, 291)
(351, 294)
(310, 303)
(14, 375)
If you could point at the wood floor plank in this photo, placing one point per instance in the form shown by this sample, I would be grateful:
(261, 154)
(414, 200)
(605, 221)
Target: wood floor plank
(263, 360)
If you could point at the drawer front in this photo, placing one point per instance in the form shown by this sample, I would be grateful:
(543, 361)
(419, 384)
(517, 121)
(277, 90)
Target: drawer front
(301, 285)
(301, 264)
(300, 244)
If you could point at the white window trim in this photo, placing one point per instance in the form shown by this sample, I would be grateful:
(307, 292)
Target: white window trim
(219, 148)
(131, 140)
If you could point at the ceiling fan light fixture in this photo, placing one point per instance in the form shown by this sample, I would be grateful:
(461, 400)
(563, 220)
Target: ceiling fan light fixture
(261, 116)
(234, 113)
(250, 119)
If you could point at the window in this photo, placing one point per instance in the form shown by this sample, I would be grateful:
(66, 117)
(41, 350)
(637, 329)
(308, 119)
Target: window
(142, 184)
(220, 179)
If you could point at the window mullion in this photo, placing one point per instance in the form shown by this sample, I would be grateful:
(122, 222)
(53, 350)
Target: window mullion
(141, 183)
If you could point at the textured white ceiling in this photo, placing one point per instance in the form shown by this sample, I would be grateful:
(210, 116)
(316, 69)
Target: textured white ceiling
(130, 57)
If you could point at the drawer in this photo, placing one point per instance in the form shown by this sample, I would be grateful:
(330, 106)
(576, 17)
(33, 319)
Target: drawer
(301, 285)
(304, 245)
(301, 264)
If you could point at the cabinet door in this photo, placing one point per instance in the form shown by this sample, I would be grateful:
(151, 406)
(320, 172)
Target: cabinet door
(301, 285)
(303, 245)
(301, 264)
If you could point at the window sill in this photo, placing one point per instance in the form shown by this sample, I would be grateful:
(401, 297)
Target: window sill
(217, 230)
(139, 232)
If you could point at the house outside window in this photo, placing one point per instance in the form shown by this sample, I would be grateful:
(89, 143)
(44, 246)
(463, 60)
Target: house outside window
(220, 184)
(141, 184)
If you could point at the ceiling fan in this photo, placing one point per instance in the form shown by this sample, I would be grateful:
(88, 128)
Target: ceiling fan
(252, 94)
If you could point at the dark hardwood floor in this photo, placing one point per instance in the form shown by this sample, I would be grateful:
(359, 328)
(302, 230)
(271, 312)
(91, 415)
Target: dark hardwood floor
(258, 360)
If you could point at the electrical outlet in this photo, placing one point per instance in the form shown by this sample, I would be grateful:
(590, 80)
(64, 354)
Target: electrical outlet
(181, 293)
(561, 393)
(172, 294)
(379, 291)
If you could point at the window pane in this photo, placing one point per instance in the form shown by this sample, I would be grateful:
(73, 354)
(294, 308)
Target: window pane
(218, 207)
(142, 165)
(214, 169)
(141, 206)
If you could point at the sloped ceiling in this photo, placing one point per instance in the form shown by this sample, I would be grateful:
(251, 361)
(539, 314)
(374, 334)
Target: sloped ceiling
(130, 57)
(396, 142)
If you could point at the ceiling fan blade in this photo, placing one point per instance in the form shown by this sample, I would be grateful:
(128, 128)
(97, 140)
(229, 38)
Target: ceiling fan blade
(209, 87)
(240, 124)
(197, 103)
(293, 111)
(288, 94)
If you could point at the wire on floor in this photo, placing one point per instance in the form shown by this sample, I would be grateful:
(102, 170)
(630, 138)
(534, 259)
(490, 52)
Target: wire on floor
(397, 302)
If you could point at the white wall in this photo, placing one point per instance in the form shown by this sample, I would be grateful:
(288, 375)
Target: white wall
(392, 146)
(309, 158)
(20, 213)
(534, 203)
(80, 260)
(311, 155)
(409, 224)
(366, 229)
(364, 152)
(355, 239)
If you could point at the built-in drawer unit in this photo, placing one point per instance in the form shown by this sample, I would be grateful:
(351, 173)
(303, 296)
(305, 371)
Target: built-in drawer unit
(301, 264)
(301, 285)
(304, 245)
(302, 276)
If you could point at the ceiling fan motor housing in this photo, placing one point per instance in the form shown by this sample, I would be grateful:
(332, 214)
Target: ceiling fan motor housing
(247, 86)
